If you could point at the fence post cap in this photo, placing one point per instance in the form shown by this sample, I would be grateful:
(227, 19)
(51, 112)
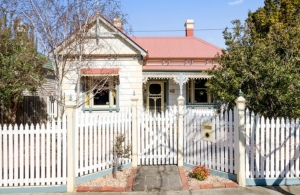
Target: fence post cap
(240, 99)
(240, 103)
(70, 105)
(134, 98)
(180, 98)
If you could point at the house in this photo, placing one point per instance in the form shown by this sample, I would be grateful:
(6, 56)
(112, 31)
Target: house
(114, 66)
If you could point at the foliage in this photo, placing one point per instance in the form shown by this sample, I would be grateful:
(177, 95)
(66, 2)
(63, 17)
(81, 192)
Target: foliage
(200, 172)
(20, 63)
(120, 151)
(262, 58)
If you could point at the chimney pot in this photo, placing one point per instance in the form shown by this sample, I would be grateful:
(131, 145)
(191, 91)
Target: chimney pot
(118, 23)
(189, 28)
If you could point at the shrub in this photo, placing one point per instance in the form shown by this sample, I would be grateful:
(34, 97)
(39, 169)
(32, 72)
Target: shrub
(200, 172)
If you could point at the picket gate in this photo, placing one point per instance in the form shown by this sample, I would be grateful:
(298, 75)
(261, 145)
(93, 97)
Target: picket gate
(157, 137)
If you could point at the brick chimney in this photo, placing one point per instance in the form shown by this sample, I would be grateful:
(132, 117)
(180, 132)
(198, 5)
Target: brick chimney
(118, 23)
(189, 28)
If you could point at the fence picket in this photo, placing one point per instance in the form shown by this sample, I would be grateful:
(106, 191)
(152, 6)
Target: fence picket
(198, 129)
(277, 171)
(53, 149)
(292, 151)
(43, 152)
(10, 156)
(95, 143)
(262, 147)
(297, 168)
(252, 145)
(222, 152)
(226, 141)
(59, 152)
(282, 140)
(218, 142)
(48, 160)
(14, 168)
(248, 121)
(156, 155)
(267, 159)
(64, 137)
(171, 146)
(175, 134)
(167, 139)
(287, 147)
(90, 140)
(194, 128)
(257, 144)
(99, 144)
(37, 157)
(272, 150)
(21, 136)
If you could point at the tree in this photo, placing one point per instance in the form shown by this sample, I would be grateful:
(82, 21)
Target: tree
(20, 63)
(54, 22)
(262, 59)
(120, 151)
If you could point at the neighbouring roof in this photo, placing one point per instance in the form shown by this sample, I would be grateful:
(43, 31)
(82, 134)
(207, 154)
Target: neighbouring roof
(99, 71)
(177, 47)
(48, 65)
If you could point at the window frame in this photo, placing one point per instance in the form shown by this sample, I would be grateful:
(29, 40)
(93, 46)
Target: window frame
(191, 93)
(88, 95)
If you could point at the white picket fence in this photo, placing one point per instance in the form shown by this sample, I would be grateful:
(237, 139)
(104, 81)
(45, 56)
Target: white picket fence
(33, 155)
(96, 137)
(272, 147)
(37, 155)
(157, 137)
(217, 155)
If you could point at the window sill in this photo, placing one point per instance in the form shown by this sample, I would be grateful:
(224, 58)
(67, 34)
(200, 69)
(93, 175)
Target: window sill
(202, 105)
(102, 109)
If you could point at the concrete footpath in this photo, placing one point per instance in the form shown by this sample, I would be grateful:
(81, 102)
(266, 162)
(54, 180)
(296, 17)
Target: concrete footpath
(273, 190)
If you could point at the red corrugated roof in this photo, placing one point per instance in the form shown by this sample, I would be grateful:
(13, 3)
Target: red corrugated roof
(99, 71)
(177, 47)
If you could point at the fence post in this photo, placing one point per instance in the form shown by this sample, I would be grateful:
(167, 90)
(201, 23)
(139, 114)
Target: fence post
(180, 101)
(71, 183)
(241, 139)
(134, 147)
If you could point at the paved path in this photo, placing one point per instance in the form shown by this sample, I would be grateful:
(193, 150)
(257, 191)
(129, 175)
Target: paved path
(157, 178)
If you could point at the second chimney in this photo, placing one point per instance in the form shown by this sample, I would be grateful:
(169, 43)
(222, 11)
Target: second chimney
(118, 23)
(189, 28)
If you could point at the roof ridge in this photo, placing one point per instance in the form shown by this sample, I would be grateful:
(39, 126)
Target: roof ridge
(207, 43)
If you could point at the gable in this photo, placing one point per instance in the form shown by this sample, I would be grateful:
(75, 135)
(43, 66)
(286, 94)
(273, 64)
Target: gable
(99, 37)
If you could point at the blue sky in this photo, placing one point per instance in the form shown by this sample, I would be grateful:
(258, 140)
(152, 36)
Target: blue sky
(152, 15)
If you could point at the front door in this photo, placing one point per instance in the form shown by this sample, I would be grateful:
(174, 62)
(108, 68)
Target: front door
(155, 96)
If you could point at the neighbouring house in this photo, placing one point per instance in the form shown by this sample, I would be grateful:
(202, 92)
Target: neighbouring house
(35, 107)
(114, 66)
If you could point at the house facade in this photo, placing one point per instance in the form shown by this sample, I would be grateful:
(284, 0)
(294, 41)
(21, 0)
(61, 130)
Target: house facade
(113, 67)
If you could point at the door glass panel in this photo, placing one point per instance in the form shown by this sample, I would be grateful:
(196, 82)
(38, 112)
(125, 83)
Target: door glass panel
(152, 104)
(154, 89)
